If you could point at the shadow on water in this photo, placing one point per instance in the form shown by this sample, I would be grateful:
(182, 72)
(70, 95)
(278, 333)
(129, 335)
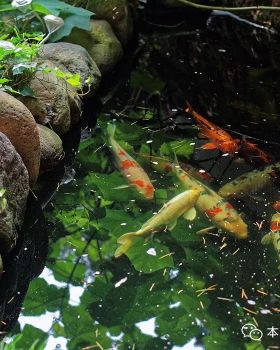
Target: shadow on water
(178, 290)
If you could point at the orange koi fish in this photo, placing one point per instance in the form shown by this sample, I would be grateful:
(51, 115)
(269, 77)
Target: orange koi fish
(250, 151)
(129, 167)
(219, 211)
(219, 139)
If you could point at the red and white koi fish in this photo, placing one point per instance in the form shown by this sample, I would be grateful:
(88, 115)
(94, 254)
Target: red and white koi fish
(129, 167)
(220, 212)
(162, 164)
(165, 218)
(273, 236)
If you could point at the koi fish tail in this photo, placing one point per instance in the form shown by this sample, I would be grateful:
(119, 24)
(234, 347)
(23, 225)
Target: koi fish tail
(125, 241)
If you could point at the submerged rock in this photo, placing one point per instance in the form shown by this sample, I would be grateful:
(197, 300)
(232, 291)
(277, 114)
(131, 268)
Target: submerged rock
(18, 124)
(51, 148)
(101, 43)
(15, 182)
(56, 102)
(71, 58)
(117, 13)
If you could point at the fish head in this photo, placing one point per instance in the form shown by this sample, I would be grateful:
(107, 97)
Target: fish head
(236, 226)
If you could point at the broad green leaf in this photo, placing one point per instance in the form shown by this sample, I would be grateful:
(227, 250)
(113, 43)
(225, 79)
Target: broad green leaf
(149, 256)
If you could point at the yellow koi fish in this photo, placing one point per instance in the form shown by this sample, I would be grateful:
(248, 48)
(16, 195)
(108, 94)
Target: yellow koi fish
(220, 212)
(165, 218)
(129, 168)
(250, 182)
(274, 235)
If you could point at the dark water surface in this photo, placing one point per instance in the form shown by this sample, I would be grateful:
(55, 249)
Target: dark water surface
(178, 290)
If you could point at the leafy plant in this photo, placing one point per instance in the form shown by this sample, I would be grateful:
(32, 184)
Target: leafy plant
(29, 18)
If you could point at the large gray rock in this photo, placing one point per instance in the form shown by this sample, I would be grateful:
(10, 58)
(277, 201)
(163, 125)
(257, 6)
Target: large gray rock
(14, 180)
(101, 43)
(55, 103)
(71, 58)
(51, 148)
(117, 13)
(18, 124)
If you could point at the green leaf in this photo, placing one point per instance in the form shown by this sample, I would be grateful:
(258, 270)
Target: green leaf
(183, 148)
(158, 258)
(143, 79)
(26, 91)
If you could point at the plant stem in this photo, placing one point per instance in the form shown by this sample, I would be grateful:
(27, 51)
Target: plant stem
(230, 9)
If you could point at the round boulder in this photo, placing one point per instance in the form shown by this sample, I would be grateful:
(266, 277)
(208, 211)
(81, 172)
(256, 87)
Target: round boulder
(71, 58)
(55, 103)
(14, 189)
(18, 124)
(51, 148)
(101, 43)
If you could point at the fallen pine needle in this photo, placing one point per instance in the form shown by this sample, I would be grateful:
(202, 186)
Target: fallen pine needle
(262, 292)
(202, 306)
(152, 286)
(237, 250)
(243, 294)
(250, 311)
(226, 299)
(169, 254)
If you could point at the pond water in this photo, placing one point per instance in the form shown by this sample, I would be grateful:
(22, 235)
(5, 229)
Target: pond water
(177, 289)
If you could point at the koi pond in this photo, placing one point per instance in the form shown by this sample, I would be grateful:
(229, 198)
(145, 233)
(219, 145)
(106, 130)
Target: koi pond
(191, 108)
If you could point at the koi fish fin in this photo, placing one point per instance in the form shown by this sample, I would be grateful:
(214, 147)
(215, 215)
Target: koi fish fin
(111, 129)
(209, 146)
(266, 239)
(188, 108)
(172, 225)
(125, 241)
(205, 230)
(190, 214)
(121, 187)
(201, 135)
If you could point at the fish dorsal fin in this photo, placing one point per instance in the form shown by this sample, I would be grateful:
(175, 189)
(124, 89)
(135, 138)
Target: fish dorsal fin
(172, 225)
(205, 230)
(266, 238)
(190, 214)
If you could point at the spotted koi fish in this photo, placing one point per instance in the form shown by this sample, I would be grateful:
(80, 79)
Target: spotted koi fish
(250, 182)
(273, 237)
(129, 167)
(219, 138)
(220, 212)
(165, 218)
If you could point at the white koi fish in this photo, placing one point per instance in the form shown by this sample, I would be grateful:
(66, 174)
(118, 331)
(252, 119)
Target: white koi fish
(165, 218)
